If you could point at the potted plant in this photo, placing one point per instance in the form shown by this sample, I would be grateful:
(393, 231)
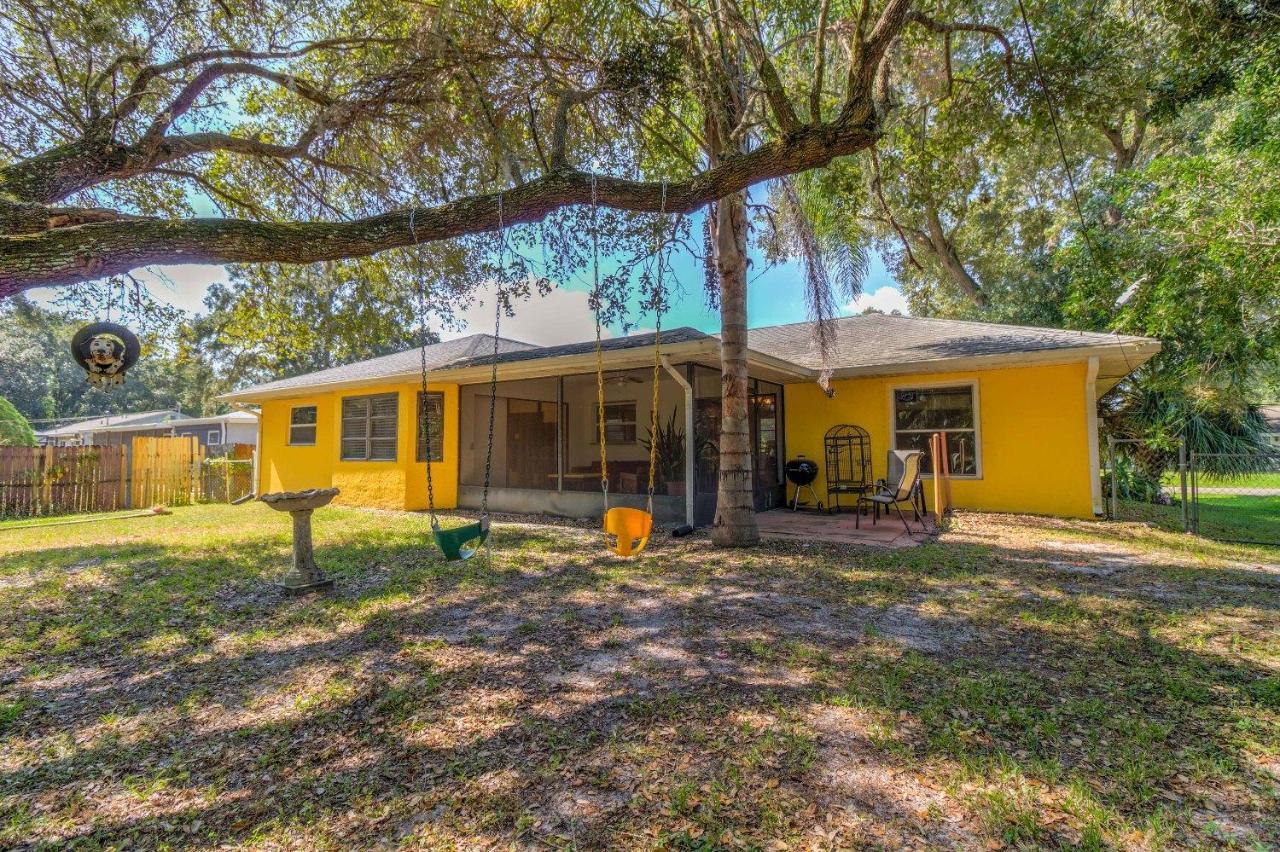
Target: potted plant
(669, 454)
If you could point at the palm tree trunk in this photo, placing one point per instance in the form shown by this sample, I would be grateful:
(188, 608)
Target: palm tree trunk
(735, 522)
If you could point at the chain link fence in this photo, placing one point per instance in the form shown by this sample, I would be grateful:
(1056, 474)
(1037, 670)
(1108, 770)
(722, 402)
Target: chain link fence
(1242, 506)
(227, 474)
(1224, 496)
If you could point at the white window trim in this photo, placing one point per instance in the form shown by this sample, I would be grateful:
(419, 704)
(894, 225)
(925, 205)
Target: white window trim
(214, 437)
(293, 443)
(634, 424)
(973, 386)
(368, 420)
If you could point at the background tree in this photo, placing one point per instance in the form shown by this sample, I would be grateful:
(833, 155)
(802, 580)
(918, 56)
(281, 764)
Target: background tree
(15, 431)
(45, 384)
(345, 126)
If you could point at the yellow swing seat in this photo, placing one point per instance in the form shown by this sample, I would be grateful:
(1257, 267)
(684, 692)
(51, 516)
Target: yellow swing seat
(630, 528)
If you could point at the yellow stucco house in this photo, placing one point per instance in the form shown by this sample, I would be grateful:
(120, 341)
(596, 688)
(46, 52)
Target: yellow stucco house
(1018, 406)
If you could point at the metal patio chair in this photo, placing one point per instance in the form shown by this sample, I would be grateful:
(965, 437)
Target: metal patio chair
(906, 490)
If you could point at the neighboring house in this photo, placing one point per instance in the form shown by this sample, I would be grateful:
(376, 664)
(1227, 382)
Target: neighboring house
(237, 427)
(82, 431)
(1018, 404)
(1271, 414)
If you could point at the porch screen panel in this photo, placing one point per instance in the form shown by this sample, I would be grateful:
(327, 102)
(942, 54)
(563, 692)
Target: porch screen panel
(920, 412)
(369, 427)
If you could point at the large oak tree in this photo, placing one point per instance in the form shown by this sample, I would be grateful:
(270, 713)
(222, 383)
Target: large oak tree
(356, 128)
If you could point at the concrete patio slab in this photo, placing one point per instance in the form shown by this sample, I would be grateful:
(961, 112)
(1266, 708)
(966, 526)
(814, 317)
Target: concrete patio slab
(785, 525)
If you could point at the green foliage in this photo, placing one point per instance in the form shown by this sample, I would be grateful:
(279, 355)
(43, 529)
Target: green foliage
(669, 452)
(15, 431)
(1131, 482)
(43, 381)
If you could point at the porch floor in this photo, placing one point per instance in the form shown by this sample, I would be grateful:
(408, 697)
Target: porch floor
(785, 525)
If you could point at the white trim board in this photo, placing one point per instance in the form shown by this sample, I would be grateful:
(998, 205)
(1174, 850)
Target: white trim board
(974, 386)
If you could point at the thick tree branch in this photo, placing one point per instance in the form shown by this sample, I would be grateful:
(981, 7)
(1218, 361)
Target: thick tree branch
(819, 64)
(71, 255)
(138, 89)
(774, 91)
(946, 28)
(186, 98)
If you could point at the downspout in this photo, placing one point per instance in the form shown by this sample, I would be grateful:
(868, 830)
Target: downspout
(257, 437)
(688, 440)
(1091, 426)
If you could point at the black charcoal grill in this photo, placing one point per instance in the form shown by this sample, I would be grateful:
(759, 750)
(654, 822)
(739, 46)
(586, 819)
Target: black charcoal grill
(801, 472)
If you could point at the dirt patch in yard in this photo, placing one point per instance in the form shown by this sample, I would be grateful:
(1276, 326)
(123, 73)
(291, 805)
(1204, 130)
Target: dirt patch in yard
(1017, 682)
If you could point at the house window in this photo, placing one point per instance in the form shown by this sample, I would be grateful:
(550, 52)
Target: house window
(369, 427)
(434, 403)
(620, 422)
(918, 413)
(302, 426)
(214, 437)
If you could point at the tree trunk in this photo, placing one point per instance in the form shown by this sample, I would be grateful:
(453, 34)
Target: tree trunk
(735, 522)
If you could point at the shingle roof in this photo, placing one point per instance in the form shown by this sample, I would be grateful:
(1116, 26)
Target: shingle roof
(136, 418)
(615, 344)
(866, 341)
(872, 340)
(399, 363)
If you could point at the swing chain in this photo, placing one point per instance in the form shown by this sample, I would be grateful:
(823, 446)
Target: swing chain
(657, 349)
(424, 414)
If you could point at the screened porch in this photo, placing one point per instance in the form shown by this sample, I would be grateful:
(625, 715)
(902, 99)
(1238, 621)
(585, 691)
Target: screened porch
(546, 448)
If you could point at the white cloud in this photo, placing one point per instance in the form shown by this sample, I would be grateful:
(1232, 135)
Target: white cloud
(561, 316)
(183, 286)
(886, 299)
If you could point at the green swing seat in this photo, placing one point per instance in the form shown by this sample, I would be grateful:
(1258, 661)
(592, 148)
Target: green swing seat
(464, 542)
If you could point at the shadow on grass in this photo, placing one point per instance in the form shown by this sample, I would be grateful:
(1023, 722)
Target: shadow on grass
(493, 699)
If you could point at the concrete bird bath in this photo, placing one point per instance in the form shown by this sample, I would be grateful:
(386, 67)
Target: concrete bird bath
(305, 576)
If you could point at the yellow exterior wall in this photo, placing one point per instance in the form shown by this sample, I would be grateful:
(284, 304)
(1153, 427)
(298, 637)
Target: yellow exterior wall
(399, 484)
(1033, 433)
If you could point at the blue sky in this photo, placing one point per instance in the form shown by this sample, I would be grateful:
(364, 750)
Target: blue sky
(775, 296)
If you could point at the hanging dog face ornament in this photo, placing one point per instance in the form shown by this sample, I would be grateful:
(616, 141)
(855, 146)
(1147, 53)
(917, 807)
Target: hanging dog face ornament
(105, 350)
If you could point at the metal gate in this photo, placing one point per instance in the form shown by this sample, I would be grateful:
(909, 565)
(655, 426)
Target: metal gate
(1240, 507)
(1131, 496)
(1224, 496)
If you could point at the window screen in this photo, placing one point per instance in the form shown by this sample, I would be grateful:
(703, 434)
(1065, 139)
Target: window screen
(302, 426)
(369, 427)
(434, 403)
(920, 412)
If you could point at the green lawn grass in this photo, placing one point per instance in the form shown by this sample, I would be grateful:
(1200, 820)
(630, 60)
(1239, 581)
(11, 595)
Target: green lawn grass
(1019, 681)
(1249, 480)
(1229, 517)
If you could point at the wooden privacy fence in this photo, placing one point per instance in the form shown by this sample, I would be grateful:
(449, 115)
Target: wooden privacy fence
(62, 480)
(165, 471)
(37, 481)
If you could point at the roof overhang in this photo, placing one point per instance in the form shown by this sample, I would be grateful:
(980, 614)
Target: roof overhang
(1115, 361)
(532, 368)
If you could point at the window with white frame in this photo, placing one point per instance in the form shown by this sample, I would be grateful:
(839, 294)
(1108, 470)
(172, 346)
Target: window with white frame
(214, 437)
(620, 422)
(302, 426)
(369, 427)
(919, 413)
